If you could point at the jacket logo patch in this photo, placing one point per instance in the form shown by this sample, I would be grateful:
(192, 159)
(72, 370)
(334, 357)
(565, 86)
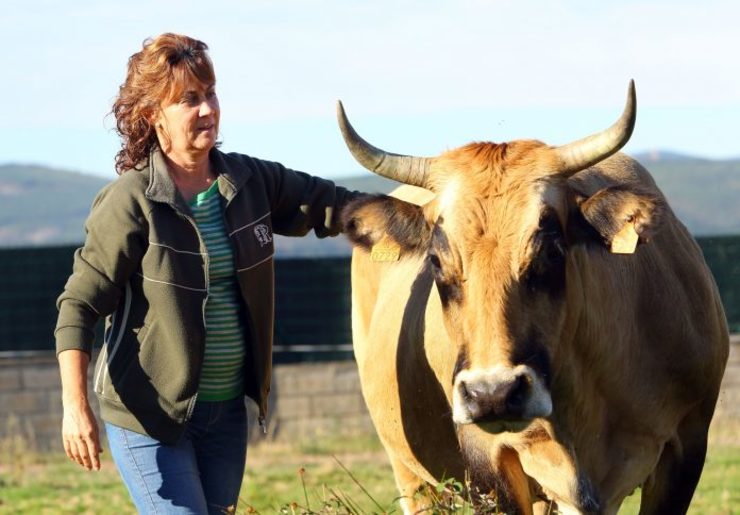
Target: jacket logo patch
(262, 232)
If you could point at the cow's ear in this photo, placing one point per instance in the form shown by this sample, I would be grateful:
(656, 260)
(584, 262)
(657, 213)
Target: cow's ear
(617, 210)
(369, 219)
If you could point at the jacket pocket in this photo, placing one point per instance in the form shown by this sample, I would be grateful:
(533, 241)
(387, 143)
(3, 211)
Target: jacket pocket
(253, 243)
(116, 360)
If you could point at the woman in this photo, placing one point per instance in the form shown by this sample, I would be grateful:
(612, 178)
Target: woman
(178, 257)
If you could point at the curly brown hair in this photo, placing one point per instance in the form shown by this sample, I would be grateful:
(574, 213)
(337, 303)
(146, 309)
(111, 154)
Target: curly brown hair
(157, 74)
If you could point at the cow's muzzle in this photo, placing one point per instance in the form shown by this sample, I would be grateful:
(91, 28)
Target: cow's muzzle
(509, 397)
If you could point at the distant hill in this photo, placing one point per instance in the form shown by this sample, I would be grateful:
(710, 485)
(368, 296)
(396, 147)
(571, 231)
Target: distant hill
(44, 206)
(667, 156)
(703, 193)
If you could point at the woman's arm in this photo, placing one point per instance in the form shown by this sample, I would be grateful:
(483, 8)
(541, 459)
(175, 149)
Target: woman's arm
(301, 202)
(112, 251)
(80, 432)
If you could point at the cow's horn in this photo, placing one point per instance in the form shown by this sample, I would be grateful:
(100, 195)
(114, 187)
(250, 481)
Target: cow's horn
(406, 169)
(588, 151)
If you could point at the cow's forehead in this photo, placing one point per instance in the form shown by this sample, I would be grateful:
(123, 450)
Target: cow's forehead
(520, 206)
(545, 196)
(497, 226)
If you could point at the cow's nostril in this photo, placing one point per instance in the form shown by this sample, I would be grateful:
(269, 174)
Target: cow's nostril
(518, 393)
(466, 394)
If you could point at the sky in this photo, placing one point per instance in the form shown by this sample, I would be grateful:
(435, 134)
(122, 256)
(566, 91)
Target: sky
(415, 76)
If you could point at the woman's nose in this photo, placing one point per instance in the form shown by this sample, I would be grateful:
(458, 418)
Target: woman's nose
(207, 107)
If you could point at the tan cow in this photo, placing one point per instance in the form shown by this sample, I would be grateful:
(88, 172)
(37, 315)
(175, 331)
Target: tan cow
(537, 320)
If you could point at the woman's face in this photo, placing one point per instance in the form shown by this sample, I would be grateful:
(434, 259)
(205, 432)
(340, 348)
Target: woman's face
(188, 124)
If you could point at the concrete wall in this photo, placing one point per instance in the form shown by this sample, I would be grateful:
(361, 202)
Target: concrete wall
(30, 400)
(311, 400)
(728, 405)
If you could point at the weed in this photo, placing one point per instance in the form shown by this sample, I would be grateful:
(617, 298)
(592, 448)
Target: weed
(17, 452)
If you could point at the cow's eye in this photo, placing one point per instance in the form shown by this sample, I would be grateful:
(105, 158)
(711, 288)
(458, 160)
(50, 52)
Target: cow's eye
(447, 283)
(554, 249)
(546, 272)
(434, 260)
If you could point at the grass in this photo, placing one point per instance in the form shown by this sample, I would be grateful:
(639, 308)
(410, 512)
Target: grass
(718, 492)
(313, 475)
(53, 485)
(347, 476)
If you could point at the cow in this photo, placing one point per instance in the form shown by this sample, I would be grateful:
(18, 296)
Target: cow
(534, 322)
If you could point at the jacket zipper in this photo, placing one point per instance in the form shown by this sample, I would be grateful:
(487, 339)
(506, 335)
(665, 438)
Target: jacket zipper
(261, 418)
(206, 259)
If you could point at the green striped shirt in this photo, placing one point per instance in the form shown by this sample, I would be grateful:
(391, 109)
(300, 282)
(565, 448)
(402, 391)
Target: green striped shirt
(222, 375)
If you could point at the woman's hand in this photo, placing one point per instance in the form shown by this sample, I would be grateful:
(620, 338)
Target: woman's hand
(80, 432)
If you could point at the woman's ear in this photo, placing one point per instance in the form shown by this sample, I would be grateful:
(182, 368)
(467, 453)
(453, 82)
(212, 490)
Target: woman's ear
(157, 120)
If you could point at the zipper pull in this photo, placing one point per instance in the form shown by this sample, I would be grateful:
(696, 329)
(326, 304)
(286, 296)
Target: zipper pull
(263, 425)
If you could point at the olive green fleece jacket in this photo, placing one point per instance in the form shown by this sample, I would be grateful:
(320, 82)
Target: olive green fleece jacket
(144, 266)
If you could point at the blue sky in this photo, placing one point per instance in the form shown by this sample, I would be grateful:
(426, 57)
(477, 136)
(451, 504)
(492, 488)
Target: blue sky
(416, 76)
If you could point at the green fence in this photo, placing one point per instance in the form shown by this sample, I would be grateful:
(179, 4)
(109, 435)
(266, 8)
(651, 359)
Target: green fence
(722, 254)
(312, 303)
(30, 281)
(312, 299)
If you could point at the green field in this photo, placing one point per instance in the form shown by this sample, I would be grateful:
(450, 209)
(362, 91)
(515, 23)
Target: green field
(318, 477)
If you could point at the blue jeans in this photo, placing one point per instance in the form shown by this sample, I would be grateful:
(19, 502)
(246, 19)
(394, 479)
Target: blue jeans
(202, 473)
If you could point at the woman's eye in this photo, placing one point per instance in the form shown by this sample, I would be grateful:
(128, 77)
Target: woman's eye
(190, 100)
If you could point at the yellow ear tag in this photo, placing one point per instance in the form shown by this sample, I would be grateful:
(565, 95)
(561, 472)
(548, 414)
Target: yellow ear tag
(385, 250)
(625, 241)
